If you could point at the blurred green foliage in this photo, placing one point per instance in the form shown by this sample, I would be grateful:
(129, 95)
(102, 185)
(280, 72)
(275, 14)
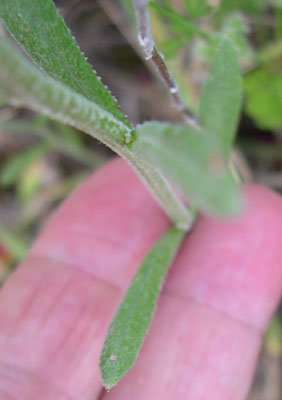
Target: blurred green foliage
(249, 6)
(263, 90)
(258, 42)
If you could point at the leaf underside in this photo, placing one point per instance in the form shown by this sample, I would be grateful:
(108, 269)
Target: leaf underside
(39, 29)
(31, 87)
(221, 96)
(194, 162)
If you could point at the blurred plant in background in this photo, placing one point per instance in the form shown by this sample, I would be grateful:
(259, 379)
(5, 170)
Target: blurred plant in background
(43, 160)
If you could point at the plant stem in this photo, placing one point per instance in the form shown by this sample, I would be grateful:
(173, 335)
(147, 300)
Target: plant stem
(161, 190)
(29, 87)
(151, 53)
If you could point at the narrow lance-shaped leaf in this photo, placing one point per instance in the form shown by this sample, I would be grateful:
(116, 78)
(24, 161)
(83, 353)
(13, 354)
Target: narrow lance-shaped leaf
(37, 26)
(30, 87)
(193, 161)
(221, 95)
(132, 319)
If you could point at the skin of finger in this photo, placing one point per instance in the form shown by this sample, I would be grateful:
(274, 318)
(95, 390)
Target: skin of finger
(226, 279)
(54, 312)
(247, 285)
(103, 230)
(191, 352)
(53, 319)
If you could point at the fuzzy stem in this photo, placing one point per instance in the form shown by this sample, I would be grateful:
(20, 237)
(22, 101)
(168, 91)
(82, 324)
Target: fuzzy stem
(29, 87)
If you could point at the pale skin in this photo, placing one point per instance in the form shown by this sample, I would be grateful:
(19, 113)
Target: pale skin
(207, 331)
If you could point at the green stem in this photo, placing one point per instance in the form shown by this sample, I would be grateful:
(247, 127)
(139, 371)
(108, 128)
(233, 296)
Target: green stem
(162, 191)
(29, 87)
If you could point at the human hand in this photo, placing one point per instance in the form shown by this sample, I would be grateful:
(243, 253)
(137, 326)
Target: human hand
(206, 334)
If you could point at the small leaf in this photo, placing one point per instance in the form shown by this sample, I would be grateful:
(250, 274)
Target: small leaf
(13, 243)
(263, 88)
(31, 181)
(236, 28)
(39, 29)
(221, 96)
(132, 319)
(193, 161)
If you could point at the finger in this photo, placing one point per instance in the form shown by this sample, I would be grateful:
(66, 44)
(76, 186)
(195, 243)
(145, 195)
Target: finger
(106, 226)
(219, 295)
(74, 237)
(55, 309)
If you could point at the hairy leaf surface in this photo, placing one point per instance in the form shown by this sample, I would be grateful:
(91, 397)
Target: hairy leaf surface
(193, 161)
(132, 319)
(221, 95)
(27, 85)
(39, 29)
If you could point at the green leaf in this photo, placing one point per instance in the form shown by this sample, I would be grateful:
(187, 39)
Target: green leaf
(179, 23)
(12, 169)
(236, 28)
(132, 319)
(39, 29)
(273, 336)
(28, 86)
(248, 6)
(30, 182)
(197, 8)
(194, 162)
(221, 96)
(263, 89)
(171, 46)
(278, 19)
(13, 243)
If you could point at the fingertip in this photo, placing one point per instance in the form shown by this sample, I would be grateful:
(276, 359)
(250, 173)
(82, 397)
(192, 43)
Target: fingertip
(235, 265)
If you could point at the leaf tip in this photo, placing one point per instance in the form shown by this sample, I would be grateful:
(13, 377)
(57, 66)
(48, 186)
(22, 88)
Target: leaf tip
(108, 386)
(109, 382)
(107, 369)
